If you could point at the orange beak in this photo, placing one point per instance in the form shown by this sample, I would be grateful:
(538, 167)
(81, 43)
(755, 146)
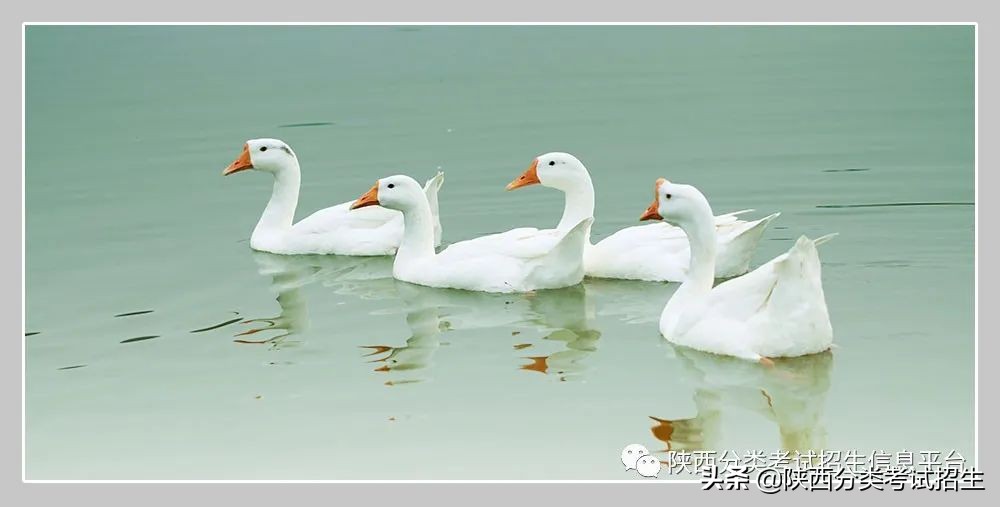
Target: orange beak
(653, 211)
(369, 199)
(241, 163)
(530, 177)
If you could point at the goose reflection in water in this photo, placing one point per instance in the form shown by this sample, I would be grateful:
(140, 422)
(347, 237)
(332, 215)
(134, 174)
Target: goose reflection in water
(630, 301)
(568, 316)
(405, 362)
(432, 311)
(791, 394)
(564, 314)
(365, 276)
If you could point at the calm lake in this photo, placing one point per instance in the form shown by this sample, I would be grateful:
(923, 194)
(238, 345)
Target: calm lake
(144, 300)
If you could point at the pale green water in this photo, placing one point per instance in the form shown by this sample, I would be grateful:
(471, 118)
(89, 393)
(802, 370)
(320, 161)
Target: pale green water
(128, 130)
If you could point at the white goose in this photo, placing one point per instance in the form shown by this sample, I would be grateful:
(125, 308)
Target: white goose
(333, 230)
(776, 310)
(487, 266)
(655, 252)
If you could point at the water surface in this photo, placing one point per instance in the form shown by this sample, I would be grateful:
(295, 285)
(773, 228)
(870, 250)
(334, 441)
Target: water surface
(158, 346)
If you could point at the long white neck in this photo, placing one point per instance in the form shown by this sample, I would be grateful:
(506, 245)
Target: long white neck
(700, 231)
(418, 233)
(280, 210)
(579, 203)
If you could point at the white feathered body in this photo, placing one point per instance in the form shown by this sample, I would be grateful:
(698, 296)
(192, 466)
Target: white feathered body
(659, 252)
(519, 260)
(776, 310)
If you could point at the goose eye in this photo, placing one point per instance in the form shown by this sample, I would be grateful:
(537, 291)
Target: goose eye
(668, 196)
(392, 185)
(263, 148)
(552, 162)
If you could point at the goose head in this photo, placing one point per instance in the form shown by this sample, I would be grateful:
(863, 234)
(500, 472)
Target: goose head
(557, 170)
(676, 203)
(399, 192)
(268, 155)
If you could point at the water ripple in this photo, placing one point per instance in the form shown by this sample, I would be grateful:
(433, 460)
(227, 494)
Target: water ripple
(896, 204)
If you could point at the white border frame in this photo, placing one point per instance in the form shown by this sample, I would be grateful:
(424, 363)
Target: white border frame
(24, 26)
